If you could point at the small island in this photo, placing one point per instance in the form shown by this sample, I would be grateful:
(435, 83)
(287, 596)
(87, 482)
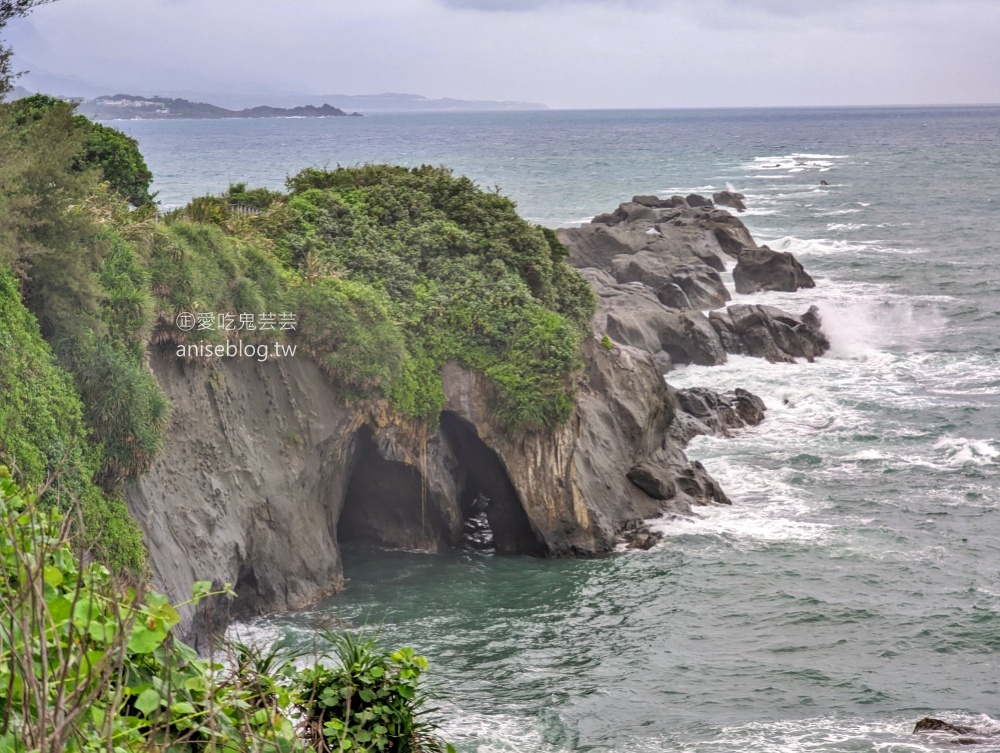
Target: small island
(132, 107)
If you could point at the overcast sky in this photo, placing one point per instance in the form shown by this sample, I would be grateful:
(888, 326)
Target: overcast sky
(564, 53)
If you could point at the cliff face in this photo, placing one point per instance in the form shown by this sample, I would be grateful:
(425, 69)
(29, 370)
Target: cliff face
(267, 471)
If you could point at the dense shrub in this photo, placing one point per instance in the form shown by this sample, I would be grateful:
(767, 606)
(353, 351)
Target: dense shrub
(89, 664)
(463, 276)
(115, 156)
(197, 267)
(43, 436)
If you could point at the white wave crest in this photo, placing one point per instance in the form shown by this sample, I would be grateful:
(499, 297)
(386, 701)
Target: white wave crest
(960, 451)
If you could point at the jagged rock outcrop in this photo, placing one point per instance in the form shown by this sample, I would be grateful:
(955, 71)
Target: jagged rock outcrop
(764, 269)
(770, 333)
(730, 199)
(701, 411)
(631, 314)
(674, 231)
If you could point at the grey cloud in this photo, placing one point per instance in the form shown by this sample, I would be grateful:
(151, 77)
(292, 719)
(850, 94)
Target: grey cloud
(566, 53)
(515, 6)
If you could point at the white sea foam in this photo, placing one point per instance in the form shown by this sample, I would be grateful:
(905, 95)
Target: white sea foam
(838, 212)
(960, 451)
(491, 733)
(821, 156)
(823, 735)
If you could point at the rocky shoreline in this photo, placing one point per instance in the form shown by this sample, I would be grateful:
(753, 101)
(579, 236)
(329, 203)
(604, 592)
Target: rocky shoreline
(267, 469)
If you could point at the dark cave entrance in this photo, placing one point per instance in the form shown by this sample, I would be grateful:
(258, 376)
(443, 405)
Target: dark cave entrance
(386, 503)
(489, 503)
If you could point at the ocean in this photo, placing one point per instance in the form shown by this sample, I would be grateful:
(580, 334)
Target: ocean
(854, 585)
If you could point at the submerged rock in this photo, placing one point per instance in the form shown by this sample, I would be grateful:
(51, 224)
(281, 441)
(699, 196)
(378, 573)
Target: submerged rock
(637, 534)
(960, 733)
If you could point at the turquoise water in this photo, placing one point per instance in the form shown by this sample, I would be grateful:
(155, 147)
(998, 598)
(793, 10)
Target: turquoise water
(854, 586)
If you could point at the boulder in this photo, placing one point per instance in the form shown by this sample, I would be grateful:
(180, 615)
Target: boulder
(770, 333)
(606, 219)
(654, 480)
(649, 201)
(695, 483)
(730, 199)
(761, 268)
(636, 534)
(701, 411)
(696, 200)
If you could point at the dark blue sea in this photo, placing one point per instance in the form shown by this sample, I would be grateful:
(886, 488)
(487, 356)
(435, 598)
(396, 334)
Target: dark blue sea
(854, 585)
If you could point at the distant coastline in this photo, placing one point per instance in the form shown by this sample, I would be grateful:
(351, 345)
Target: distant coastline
(134, 107)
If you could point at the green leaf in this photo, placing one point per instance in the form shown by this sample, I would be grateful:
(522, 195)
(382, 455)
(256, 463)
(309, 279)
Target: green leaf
(10, 743)
(84, 611)
(376, 672)
(200, 590)
(59, 609)
(144, 640)
(148, 701)
(53, 576)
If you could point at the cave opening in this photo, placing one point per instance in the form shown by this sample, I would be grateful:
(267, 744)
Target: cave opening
(386, 504)
(492, 512)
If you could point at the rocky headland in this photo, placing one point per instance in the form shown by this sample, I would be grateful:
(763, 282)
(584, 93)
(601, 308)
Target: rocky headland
(267, 469)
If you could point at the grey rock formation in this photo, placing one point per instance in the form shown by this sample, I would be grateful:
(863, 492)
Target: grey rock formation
(770, 333)
(266, 473)
(665, 254)
(763, 269)
(730, 199)
(631, 314)
(702, 411)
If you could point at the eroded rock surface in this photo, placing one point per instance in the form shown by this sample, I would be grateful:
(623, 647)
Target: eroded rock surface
(763, 269)
(957, 734)
(701, 411)
(770, 333)
(266, 473)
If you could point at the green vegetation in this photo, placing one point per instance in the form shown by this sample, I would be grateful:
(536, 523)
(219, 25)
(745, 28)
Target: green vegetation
(76, 308)
(397, 271)
(43, 436)
(390, 273)
(113, 154)
(87, 664)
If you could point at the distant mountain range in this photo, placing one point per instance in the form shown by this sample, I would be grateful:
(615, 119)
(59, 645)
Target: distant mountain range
(133, 107)
(73, 87)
